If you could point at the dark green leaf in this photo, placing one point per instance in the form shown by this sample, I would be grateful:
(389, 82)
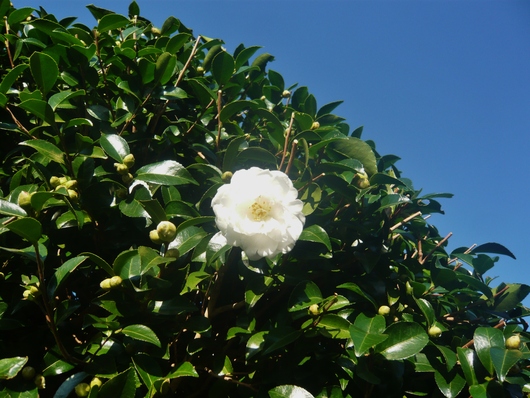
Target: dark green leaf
(114, 146)
(44, 70)
(176, 42)
(468, 362)
(142, 333)
(167, 172)
(183, 370)
(492, 247)
(112, 21)
(222, 67)
(367, 332)
(47, 149)
(334, 326)
(511, 297)
(315, 233)
(257, 154)
(10, 78)
(235, 107)
(39, 108)
(303, 295)
(61, 274)
(288, 391)
(354, 148)
(503, 360)
(27, 227)
(484, 339)
(449, 383)
(11, 209)
(405, 339)
(68, 386)
(121, 386)
(165, 68)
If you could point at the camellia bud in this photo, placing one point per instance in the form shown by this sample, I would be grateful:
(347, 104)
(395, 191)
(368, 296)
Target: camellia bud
(105, 284)
(166, 231)
(24, 199)
(153, 235)
(82, 390)
(115, 281)
(227, 176)
(313, 309)
(28, 372)
(31, 293)
(200, 70)
(73, 195)
(174, 253)
(315, 125)
(155, 31)
(95, 382)
(54, 181)
(384, 310)
(121, 168)
(435, 331)
(513, 342)
(40, 382)
(286, 94)
(128, 160)
(71, 184)
(127, 178)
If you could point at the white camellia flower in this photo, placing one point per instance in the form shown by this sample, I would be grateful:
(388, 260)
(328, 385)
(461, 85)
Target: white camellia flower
(259, 212)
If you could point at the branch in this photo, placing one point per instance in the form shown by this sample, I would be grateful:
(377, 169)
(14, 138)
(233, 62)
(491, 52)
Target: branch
(286, 143)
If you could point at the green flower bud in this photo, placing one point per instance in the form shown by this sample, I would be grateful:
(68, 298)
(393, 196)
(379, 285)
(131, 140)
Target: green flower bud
(226, 176)
(95, 382)
(24, 199)
(128, 160)
(40, 382)
(435, 331)
(166, 231)
(127, 178)
(174, 253)
(315, 125)
(314, 310)
(286, 94)
(513, 342)
(121, 168)
(73, 195)
(105, 284)
(28, 372)
(82, 390)
(71, 184)
(153, 235)
(384, 310)
(115, 281)
(55, 182)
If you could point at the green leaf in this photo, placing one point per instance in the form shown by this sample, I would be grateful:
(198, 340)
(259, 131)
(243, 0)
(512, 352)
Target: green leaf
(255, 344)
(112, 21)
(44, 70)
(174, 306)
(222, 67)
(176, 42)
(484, 339)
(121, 386)
(165, 68)
(63, 97)
(304, 295)
(167, 172)
(244, 55)
(114, 146)
(354, 148)
(39, 108)
(479, 390)
(142, 333)
(134, 9)
(311, 198)
(315, 233)
(355, 288)
(367, 333)
(27, 227)
(61, 274)
(449, 383)
(405, 339)
(46, 149)
(148, 369)
(492, 247)
(11, 209)
(427, 310)
(511, 297)
(289, 391)
(185, 369)
(468, 362)
(235, 107)
(503, 360)
(9, 367)
(257, 154)
(10, 78)
(334, 326)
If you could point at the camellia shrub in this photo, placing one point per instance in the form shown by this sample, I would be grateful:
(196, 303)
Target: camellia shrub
(176, 221)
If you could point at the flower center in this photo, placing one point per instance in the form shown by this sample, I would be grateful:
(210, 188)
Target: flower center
(260, 209)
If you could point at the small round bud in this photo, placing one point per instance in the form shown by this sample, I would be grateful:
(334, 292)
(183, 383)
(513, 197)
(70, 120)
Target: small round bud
(173, 253)
(105, 284)
(24, 199)
(384, 310)
(200, 70)
(121, 168)
(226, 176)
(166, 231)
(513, 342)
(127, 178)
(95, 382)
(115, 281)
(286, 94)
(71, 184)
(315, 125)
(54, 181)
(28, 372)
(82, 390)
(153, 235)
(435, 331)
(62, 180)
(40, 382)
(155, 31)
(129, 160)
(314, 310)
(2, 277)
(73, 195)
(263, 98)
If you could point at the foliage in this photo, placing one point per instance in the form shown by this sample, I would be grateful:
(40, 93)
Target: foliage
(106, 132)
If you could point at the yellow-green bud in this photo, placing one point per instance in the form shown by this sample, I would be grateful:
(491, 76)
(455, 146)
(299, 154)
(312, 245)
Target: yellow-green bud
(513, 342)
(166, 231)
(82, 390)
(115, 281)
(73, 195)
(314, 310)
(153, 235)
(315, 125)
(155, 31)
(31, 293)
(226, 176)
(286, 94)
(24, 199)
(128, 160)
(200, 70)
(384, 310)
(40, 382)
(71, 184)
(54, 181)
(28, 372)
(435, 331)
(95, 382)
(127, 178)
(105, 284)
(121, 168)
(62, 180)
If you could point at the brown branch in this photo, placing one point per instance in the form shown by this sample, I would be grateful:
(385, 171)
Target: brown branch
(312, 180)
(500, 325)
(228, 307)
(291, 156)
(286, 142)
(219, 122)
(17, 122)
(406, 220)
(7, 44)
(422, 261)
(469, 250)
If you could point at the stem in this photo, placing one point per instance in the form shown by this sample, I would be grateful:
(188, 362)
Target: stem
(17, 122)
(406, 220)
(286, 143)
(422, 261)
(7, 44)
(291, 156)
(103, 72)
(312, 181)
(219, 122)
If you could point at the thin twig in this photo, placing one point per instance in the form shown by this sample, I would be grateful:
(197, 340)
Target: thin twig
(469, 250)
(228, 307)
(500, 325)
(230, 379)
(406, 220)
(17, 122)
(286, 143)
(436, 247)
(219, 122)
(312, 180)
(291, 156)
(7, 44)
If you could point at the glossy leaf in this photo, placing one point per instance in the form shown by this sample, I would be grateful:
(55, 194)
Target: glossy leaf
(185, 369)
(44, 70)
(164, 68)
(167, 172)
(27, 227)
(315, 233)
(62, 273)
(11, 209)
(449, 383)
(503, 360)
(334, 326)
(367, 332)
(123, 385)
(484, 339)
(222, 67)
(39, 108)
(142, 333)
(112, 21)
(10, 78)
(355, 148)
(468, 361)
(289, 391)
(304, 294)
(47, 149)
(9, 367)
(405, 339)
(114, 146)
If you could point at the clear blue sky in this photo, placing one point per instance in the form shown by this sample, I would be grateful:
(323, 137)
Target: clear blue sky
(445, 85)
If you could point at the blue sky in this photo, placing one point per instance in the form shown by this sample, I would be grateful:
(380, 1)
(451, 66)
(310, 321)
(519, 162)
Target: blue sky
(445, 85)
